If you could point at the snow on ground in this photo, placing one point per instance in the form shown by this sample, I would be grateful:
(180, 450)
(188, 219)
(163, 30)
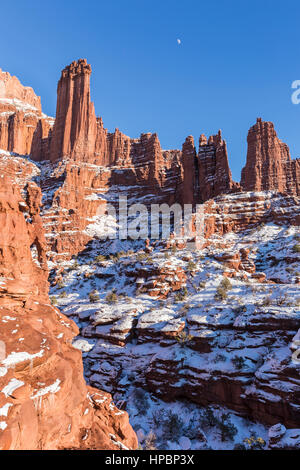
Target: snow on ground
(98, 290)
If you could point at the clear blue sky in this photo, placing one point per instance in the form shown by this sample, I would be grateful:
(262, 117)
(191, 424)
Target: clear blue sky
(236, 61)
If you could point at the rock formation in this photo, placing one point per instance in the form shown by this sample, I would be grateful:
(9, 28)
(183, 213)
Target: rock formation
(44, 401)
(269, 165)
(75, 127)
(20, 116)
(214, 172)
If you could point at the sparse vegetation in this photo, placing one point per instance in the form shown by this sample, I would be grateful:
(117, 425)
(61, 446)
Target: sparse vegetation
(100, 258)
(172, 425)
(150, 441)
(225, 283)
(227, 428)
(191, 266)
(181, 295)
(296, 248)
(183, 338)
(221, 293)
(94, 296)
(220, 358)
(254, 443)
(53, 300)
(60, 284)
(239, 362)
(111, 297)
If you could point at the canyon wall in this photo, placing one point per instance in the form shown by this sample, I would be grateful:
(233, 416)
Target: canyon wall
(44, 401)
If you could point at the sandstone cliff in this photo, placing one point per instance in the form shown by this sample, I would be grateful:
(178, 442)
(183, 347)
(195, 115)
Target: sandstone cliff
(21, 119)
(269, 165)
(44, 401)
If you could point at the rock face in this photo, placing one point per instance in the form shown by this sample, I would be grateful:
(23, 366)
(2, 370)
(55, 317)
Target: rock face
(12, 89)
(75, 126)
(21, 118)
(214, 172)
(269, 165)
(44, 401)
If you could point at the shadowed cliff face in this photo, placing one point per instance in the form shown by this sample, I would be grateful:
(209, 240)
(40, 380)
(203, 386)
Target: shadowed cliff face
(44, 401)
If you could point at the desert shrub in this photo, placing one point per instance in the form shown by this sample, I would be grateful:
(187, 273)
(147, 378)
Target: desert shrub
(158, 416)
(183, 338)
(296, 248)
(191, 265)
(208, 418)
(141, 401)
(53, 300)
(254, 443)
(172, 426)
(184, 309)
(100, 258)
(63, 295)
(221, 293)
(220, 358)
(181, 295)
(281, 300)
(227, 428)
(94, 296)
(202, 284)
(238, 362)
(111, 297)
(141, 256)
(60, 284)
(150, 441)
(225, 283)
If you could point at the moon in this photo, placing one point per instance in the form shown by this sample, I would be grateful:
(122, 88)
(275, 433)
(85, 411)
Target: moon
(178, 41)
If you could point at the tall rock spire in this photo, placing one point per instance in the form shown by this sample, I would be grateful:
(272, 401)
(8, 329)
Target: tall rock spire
(269, 165)
(189, 171)
(214, 172)
(75, 128)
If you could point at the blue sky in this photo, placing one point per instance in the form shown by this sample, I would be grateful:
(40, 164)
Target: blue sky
(236, 61)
